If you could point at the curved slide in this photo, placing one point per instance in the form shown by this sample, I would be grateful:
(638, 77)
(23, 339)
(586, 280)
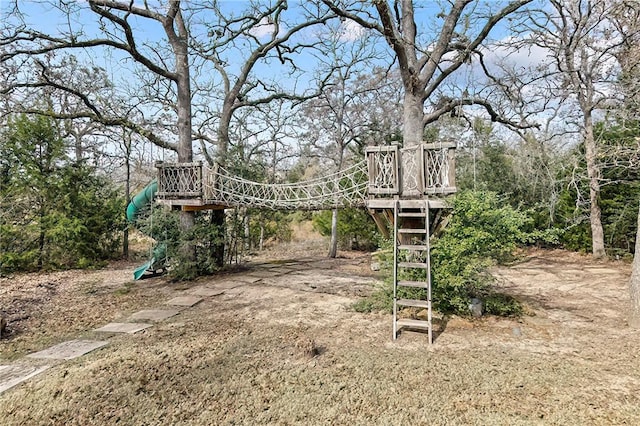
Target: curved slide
(141, 200)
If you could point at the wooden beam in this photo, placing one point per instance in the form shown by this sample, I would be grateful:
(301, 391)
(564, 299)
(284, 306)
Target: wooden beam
(203, 207)
(380, 223)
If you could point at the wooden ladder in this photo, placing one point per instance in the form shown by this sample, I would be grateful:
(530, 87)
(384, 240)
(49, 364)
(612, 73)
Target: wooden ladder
(411, 240)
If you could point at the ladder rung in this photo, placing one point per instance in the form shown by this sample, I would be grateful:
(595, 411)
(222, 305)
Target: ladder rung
(412, 231)
(413, 323)
(411, 214)
(413, 302)
(416, 284)
(413, 247)
(420, 265)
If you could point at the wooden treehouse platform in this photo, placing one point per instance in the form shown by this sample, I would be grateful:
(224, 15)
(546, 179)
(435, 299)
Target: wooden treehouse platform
(406, 187)
(388, 174)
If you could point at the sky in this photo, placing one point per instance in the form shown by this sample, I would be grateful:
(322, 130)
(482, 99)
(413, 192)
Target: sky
(46, 18)
(42, 16)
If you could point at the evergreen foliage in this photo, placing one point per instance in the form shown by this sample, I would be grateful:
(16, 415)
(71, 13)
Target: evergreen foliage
(620, 191)
(551, 187)
(54, 213)
(356, 228)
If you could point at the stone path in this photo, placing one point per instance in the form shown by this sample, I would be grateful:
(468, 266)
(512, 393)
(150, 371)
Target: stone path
(187, 301)
(11, 375)
(18, 372)
(69, 350)
(154, 315)
(123, 327)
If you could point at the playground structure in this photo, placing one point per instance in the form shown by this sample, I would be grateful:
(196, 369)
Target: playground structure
(139, 203)
(407, 186)
(387, 174)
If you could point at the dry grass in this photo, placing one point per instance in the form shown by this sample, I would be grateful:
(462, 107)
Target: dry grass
(287, 349)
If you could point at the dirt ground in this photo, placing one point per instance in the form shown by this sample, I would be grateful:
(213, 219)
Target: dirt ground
(282, 345)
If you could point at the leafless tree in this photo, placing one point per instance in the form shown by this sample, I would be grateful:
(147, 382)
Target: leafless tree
(336, 119)
(429, 54)
(583, 42)
(188, 64)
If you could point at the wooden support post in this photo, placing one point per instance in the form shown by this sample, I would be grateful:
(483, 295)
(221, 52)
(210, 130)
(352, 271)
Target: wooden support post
(380, 223)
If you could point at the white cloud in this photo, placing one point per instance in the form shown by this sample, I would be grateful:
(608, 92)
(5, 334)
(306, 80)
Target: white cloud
(351, 31)
(264, 28)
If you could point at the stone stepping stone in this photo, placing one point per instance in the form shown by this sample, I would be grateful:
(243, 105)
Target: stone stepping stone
(123, 327)
(154, 314)
(184, 301)
(69, 350)
(12, 375)
(227, 285)
(205, 291)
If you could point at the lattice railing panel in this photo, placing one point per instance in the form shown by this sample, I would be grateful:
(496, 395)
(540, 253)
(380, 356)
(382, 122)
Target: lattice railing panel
(382, 163)
(412, 182)
(439, 168)
(436, 168)
(180, 180)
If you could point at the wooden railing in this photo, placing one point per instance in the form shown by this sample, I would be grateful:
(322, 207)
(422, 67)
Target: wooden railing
(414, 172)
(179, 180)
(425, 169)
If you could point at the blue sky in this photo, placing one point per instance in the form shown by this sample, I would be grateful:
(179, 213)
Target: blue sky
(50, 20)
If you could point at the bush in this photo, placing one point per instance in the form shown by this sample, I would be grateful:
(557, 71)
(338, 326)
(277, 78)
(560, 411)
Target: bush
(483, 231)
(356, 228)
(201, 240)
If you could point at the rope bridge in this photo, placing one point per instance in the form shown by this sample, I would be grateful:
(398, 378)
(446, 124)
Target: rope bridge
(386, 172)
(347, 187)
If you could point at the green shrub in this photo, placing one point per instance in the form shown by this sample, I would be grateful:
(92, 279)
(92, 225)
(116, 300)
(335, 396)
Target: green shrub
(189, 253)
(356, 228)
(483, 231)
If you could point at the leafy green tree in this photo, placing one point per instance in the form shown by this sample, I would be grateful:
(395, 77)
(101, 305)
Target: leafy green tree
(31, 155)
(55, 212)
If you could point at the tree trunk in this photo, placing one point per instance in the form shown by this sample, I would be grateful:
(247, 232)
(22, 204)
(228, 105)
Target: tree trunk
(185, 142)
(127, 191)
(247, 231)
(634, 283)
(217, 220)
(593, 172)
(41, 239)
(261, 242)
(79, 149)
(333, 245)
(413, 115)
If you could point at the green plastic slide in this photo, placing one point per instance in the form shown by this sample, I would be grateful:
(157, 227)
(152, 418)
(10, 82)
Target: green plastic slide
(154, 264)
(141, 200)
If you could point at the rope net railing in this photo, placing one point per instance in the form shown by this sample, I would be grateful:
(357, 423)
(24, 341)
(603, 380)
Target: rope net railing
(387, 171)
(345, 188)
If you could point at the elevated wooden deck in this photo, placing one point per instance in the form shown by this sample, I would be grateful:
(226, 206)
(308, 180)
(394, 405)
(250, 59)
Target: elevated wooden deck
(388, 173)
